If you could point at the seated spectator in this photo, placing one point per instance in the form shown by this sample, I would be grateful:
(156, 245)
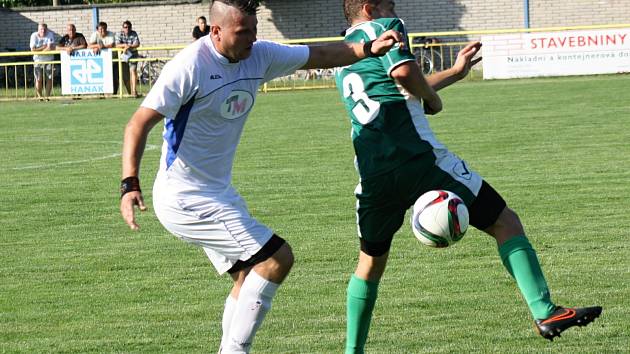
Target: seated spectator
(128, 40)
(72, 40)
(202, 28)
(42, 40)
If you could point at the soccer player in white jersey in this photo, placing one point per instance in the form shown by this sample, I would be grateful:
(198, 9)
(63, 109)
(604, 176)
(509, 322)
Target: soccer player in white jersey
(204, 96)
(399, 158)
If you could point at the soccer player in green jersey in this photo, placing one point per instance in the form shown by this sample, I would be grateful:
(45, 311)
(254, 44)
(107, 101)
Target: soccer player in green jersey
(399, 158)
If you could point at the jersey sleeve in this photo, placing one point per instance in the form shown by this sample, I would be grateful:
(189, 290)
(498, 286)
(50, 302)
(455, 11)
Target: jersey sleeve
(33, 41)
(282, 59)
(174, 88)
(399, 53)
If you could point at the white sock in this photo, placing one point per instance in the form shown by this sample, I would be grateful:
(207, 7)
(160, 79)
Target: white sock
(254, 301)
(228, 314)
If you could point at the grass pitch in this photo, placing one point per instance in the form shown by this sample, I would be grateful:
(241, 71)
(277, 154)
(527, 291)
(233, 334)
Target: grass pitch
(73, 278)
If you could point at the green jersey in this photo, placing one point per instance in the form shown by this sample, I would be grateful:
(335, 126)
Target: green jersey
(385, 133)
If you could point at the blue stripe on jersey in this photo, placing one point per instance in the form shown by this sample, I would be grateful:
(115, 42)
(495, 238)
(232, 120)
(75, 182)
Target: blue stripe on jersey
(174, 130)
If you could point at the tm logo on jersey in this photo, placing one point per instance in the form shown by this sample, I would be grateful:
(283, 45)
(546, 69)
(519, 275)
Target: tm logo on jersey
(237, 104)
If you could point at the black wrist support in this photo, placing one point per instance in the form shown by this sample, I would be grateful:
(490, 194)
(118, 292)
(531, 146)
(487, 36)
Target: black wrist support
(367, 50)
(129, 184)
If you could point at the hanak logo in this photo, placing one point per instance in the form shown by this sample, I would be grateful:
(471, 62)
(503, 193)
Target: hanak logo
(237, 104)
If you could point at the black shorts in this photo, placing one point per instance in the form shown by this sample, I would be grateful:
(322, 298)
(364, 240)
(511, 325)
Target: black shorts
(383, 201)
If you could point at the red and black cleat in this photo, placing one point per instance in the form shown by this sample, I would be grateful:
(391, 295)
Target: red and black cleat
(563, 318)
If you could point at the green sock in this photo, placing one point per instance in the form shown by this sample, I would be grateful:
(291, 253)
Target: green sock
(361, 300)
(520, 259)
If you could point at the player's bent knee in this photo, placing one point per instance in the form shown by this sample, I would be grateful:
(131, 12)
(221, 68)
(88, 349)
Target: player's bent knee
(284, 257)
(510, 221)
(275, 245)
(277, 266)
(507, 226)
(371, 268)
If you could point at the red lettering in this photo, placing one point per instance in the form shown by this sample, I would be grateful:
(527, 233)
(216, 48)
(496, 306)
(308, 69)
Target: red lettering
(239, 107)
(581, 41)
(578, 41)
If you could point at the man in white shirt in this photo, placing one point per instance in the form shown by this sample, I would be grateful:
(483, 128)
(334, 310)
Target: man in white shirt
(204, 96)
(42, 40)
(101, 38)
(104, 39)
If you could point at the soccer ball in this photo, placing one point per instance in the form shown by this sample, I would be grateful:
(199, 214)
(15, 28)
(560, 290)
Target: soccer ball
(439, 218)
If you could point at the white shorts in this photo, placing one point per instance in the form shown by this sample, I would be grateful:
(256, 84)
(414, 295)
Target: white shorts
(221, 225)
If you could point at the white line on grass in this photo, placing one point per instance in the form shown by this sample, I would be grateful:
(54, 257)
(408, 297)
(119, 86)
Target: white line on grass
(112, 156)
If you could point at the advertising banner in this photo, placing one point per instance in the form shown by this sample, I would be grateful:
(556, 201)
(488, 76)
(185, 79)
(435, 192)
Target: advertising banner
(84, 73)
(583, 52)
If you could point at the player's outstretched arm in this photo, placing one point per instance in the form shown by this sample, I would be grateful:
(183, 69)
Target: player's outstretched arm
(459, 70)
(342, 54)
(135, 140)
(409, 76)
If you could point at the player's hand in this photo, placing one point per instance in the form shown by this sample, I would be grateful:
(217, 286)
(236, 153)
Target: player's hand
(465, 60)
(127, 204)
(386, 41)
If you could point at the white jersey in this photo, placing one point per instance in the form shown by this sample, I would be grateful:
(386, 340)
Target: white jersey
(206, 100)
(37, 41)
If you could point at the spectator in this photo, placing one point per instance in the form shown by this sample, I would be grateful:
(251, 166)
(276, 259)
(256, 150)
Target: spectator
(72, 40)
(201, 29)
(42, 40)
(128, 40)
(101, 39)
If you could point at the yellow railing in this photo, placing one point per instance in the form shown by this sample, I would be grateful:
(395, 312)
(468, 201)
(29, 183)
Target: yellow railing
(17, 81)
(435, 51)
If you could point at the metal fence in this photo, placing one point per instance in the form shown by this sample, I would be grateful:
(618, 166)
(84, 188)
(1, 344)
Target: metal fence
(434, 51)
(17, 71)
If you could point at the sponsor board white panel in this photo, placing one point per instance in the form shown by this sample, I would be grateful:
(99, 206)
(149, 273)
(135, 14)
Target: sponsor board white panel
(583, 52)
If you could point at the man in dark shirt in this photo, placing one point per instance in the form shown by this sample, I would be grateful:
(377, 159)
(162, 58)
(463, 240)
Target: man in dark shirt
(202, 28)
(72, 40)
(128, 40)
